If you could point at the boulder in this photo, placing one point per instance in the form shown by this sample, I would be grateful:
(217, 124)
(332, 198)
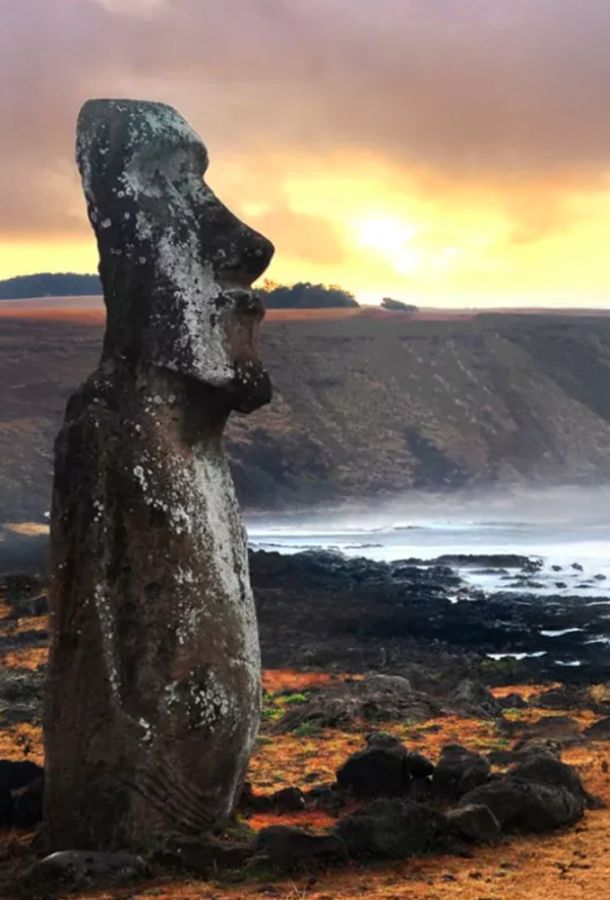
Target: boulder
(474, 822)
(327, 797)
(290, 799)
(382, 739)
(521, 806)
(285, 847)
(377, 771)
(560, 729)
(16, 776)
(206, 855)
(537, 795)
(418, 765)
(567, 696)
(376, 698)
(27, 804)
(459, 770)
(390, 829)
(70, 870)
(385, 768)
(471, 698)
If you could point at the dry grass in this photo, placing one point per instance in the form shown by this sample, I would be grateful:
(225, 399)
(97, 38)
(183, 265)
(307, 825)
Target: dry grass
(90, 311)
(30, 658)
(573, 864)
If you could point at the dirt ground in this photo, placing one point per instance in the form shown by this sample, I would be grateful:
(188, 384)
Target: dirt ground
(571, 865)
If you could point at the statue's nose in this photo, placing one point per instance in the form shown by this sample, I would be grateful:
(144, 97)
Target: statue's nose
(249, 259)
(238, 253)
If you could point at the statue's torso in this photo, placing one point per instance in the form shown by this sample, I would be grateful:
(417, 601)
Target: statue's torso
(155, 612)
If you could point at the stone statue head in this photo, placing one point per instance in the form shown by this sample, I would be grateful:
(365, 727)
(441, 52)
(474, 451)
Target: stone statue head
(176, 265)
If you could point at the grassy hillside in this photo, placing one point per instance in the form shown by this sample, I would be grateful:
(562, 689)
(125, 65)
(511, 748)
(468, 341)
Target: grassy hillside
(364, 404)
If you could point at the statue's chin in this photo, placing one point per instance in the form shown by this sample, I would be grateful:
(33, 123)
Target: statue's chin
(250, 388)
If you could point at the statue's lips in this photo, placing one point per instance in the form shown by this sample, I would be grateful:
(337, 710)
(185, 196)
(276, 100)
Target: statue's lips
(243, 311)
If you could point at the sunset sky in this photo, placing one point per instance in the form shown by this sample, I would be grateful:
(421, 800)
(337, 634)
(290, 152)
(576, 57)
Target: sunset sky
(444, 152)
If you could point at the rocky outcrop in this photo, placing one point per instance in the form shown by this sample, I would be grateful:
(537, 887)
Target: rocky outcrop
(154, 675)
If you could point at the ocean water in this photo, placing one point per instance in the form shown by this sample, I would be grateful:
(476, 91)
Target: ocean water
(566, 527)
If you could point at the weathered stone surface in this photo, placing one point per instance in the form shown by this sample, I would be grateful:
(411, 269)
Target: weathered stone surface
(15, 778)
(205, 856)
(539, 794)
(385, 768)
(390, 829)
(474, 699)
(477, 823)
(289, 799)
(513, 701)
(153, 692)
(376, 698)
(561, 729)
(70, 870)
(459, 770)
(377, 771)
(285, 847)
(27, 804)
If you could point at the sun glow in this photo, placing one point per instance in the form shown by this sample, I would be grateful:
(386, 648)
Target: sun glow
(386, 234)
(382, 232)
(391, 238)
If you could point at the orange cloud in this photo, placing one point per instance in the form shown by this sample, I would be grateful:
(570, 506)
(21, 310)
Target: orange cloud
(482, 125)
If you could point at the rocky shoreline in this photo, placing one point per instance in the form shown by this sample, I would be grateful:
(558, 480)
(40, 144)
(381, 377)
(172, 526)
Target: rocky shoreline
(321, 608)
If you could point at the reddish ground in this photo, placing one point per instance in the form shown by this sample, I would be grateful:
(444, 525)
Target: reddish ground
(90, 311)
(573, 864)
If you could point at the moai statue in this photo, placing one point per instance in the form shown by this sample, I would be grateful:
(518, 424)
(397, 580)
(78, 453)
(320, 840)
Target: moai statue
(153, 693)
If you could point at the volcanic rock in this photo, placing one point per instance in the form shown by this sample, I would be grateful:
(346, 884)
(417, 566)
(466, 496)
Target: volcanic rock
(205, 855)
(599, 731)
(377, 771)
(569, 696)
(376, 698)
(560, 729)
(459, 770)
(537, 795)
(512, 701)
(390, 829)
(285, 847)
(471, 698)
(475, 822)
(70, 870)
(15, 778)
(153, 696)
(27, 804)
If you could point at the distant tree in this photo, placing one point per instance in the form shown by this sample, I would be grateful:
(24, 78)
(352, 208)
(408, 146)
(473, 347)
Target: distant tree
(47, 284)
(398, 305)
(304, 295)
